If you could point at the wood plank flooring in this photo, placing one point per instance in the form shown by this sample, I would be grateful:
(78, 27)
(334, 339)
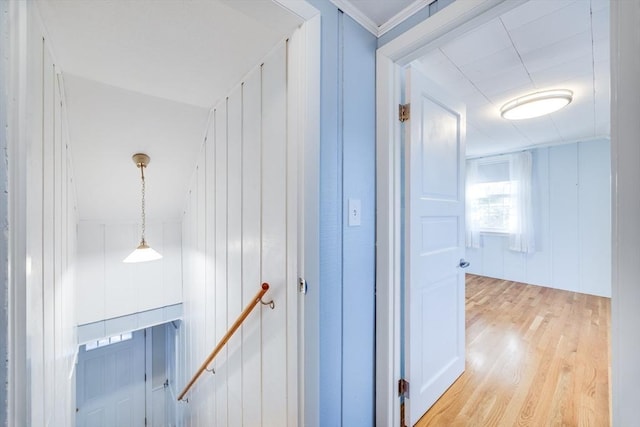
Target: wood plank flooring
(535, 357)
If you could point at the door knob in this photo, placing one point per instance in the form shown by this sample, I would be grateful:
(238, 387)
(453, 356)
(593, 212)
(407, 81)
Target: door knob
(463, 263)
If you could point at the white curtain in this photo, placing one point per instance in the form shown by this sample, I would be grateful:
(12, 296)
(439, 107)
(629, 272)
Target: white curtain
(471, 223)
(521, 235)
(515, 168)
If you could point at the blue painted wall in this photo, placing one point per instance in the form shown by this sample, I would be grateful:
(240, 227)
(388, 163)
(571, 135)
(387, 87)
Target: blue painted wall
(358, 244)
(347, 254)
(571, 202)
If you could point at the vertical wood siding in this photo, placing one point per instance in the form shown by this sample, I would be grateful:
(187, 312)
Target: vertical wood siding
(235, 236)
(51, 245)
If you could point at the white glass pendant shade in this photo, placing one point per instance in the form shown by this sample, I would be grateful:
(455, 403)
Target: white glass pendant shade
(536, 104)
(143, 253)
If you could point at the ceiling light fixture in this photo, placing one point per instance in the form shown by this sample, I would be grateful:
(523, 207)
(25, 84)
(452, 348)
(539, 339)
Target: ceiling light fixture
(536, 104)
(143, 252)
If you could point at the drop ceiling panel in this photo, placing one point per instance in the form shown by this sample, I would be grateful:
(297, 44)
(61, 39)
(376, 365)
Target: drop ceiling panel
(598, 5)
(576, 122)
(601, 51)
(539, 130)
(600, 21)
(564, 72)
(505, 60)
(501, 81)
(555, 54)
(478, 44)
(502, 97)
(549, 29)
(441, 69)
(532, 11)
(554, 46)
(602, 95)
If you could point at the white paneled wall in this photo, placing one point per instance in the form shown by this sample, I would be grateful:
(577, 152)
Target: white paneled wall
(51, 245)
(239, 231)
(572, 213)
(108, 288)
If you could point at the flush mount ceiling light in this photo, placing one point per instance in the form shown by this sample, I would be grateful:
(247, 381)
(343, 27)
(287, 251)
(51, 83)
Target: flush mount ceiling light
(536, 104)
(143, 252)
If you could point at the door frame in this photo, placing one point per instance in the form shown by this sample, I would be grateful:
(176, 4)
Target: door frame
(303, 152)
(455, 19)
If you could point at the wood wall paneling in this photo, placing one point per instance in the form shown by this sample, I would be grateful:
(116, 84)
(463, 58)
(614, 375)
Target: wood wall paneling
(563, 214)
(221, 258)
(594, 205)
(274, 232)
(120, 297)
(49, 238)
(147, 276)
(172, 267)
(50, 245)
(210, 270)
(110, 288)
(91, 280)
(572, 214)
(241, 234)
(251, 233)
(234, 248)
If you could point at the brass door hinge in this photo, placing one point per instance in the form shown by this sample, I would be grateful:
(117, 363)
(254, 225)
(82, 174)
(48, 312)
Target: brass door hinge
(404, 112)
(403, 388)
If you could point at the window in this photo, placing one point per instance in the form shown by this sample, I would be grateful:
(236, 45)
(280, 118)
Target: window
(492, 206)
(499, 200)
(92, 345)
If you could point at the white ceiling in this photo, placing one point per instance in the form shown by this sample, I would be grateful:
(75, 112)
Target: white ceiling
(539, 45)
(141, 76)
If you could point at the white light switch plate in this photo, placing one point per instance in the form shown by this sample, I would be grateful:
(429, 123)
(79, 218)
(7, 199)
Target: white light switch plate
(354, 212)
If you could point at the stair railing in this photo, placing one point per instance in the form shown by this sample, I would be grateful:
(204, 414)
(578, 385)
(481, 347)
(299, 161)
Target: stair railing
(223, 341)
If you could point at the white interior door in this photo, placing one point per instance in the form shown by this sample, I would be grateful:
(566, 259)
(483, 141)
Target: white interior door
(111, 385)
(434, 243)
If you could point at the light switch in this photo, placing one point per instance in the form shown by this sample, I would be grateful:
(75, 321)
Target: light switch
(354, 212)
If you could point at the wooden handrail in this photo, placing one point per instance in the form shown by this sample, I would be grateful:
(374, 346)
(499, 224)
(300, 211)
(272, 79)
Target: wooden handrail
(225, 338)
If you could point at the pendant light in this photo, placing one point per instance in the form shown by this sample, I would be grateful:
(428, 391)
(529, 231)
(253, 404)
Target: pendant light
(143, 252)
(536, 104)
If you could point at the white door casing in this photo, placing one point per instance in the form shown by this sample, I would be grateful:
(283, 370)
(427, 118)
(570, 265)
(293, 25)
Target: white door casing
(391, 58)
(111, 385)
(434, 224)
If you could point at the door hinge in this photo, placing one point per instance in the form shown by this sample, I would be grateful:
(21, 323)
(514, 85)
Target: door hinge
(145, 420)
(302, 285)
(403, 388)
(145, 378)
(404, 112)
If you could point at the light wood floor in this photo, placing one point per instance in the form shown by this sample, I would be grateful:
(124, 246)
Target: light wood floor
(535, 357)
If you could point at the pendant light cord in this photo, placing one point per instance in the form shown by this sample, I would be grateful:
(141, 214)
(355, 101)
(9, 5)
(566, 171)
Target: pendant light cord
(143, 200)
